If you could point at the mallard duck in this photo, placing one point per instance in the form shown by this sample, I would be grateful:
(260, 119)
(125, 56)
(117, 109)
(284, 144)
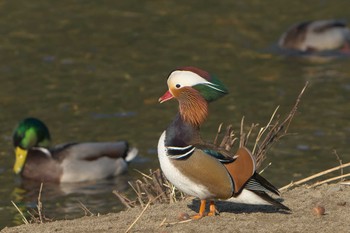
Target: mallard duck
(315, 36)
(70, 162)
(198, 168)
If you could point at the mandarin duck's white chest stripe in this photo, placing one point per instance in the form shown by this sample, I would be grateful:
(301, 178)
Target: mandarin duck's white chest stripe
(178, 152)
(175, 176)
(175, 152)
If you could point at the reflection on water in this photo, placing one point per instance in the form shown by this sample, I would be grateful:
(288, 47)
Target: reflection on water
(68, 199)
(93, 71)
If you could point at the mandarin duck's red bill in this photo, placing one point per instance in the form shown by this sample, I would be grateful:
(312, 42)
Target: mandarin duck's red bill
(167, 96)
(198, 168)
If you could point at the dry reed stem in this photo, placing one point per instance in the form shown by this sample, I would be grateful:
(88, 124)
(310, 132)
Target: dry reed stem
(329, 180)
(267, 135)
(278, 130)
(86, 210)
(40, 205)
(242, 135)
(174, 223)
(24, 219)
(264, 129)
(217, 134)
(135, 221)
(262, 170)
(314, 176)
(124, 200)
(161, 224)
(40, 217)
(340, 161)
(143, 174)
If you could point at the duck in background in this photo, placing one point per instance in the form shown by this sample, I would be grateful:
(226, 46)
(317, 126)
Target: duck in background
(317, 36)
(198, 168)
(70, 162)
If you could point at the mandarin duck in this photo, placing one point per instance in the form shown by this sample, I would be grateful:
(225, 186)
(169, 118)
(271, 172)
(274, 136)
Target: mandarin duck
(317, 36)
(70, 162)
(198, 168)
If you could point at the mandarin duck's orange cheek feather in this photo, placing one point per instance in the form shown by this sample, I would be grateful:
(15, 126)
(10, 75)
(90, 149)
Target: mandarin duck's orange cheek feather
(192, 107)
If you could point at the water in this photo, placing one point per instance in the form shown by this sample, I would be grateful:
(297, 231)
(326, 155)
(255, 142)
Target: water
(93, 71)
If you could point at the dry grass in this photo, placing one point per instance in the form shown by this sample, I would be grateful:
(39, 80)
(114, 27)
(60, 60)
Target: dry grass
(87, 212)
(303, 181)
(274, 130)
(138, 217)
(24, 219)
(36, 216)
(266, 137)
(152, 188)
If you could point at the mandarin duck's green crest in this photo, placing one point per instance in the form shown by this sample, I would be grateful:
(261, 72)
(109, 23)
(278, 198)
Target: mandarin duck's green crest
(194, 89)
(30, 132)
(209, 87)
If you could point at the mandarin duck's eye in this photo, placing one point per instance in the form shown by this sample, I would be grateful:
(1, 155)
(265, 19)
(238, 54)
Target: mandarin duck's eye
(177, 85)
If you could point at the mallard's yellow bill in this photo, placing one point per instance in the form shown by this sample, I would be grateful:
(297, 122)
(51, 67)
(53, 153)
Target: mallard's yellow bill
(21, 156)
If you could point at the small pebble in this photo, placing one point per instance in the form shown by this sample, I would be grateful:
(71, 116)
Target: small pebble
(183, 216)
(319, 210)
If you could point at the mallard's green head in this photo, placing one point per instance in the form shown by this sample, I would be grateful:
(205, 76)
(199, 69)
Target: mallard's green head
(30, 132)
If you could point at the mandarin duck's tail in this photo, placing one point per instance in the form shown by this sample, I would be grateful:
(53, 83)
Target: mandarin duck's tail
(249, 186)
(260, 187)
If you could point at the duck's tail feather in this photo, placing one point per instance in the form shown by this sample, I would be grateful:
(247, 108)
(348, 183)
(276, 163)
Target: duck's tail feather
(131, 154)
(260, 187)
(259, 183)
(270, 200)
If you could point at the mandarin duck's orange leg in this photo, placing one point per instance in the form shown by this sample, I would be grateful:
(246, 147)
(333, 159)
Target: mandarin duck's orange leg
(201, 212)
(212, 209)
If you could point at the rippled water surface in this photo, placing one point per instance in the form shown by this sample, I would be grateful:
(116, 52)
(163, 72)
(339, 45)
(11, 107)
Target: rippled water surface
(93, 71)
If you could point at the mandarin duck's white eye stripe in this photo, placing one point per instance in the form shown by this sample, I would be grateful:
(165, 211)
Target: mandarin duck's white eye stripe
(185, 78)
(212, 85)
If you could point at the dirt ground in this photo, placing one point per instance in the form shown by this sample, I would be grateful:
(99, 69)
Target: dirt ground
(335, 198)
